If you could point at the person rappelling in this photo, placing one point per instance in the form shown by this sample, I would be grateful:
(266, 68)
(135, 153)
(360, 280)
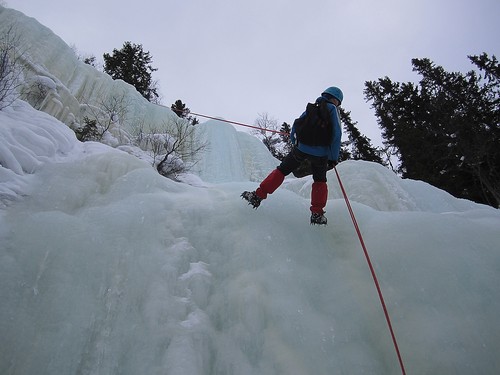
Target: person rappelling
(316, 136)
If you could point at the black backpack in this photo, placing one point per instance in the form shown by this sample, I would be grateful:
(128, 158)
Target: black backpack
(315, 128)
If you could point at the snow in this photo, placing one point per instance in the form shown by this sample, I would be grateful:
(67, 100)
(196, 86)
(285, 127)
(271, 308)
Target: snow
(108, 267)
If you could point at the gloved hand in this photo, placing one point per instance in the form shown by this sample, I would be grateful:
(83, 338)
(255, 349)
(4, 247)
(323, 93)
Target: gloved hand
(332, 164)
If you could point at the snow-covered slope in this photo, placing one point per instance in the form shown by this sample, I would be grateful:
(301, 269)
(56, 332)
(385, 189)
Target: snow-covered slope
(107, 267)
(377, 187)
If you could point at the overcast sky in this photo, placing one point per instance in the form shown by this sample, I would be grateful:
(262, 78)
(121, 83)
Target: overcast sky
(237, 59)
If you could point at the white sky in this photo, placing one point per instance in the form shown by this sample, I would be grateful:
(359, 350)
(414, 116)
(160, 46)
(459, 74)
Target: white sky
(235, 59)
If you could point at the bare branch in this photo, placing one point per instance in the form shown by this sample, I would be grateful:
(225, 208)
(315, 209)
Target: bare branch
(108, 113)
(10, 67)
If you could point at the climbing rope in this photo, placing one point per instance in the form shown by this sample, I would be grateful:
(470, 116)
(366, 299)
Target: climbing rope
(372, 270)
(189, 112)
(240, 124)
(358, 231)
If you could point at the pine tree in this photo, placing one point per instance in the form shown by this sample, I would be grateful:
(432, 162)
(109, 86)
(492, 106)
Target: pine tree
(179, 108)
(132, 65)
(359, 144)
(446, 129)
(284, 146)
(182, 111)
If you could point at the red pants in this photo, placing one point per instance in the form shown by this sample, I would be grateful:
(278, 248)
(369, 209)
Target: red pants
(319, 196)
(270, 184)
(319, 192)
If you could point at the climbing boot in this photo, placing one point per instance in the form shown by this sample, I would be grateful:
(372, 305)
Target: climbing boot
(318, 218)
(252, 198)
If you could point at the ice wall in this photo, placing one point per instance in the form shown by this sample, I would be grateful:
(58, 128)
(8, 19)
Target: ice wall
(70, 83)
(232, 155)
(107, 267)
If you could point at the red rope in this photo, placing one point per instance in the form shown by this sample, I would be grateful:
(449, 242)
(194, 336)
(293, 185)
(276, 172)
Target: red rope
(358, 231)
(240, 124)
(372, 270)
(232, 122)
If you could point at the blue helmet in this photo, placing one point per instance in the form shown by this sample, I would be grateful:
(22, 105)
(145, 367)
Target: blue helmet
(335, 92)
